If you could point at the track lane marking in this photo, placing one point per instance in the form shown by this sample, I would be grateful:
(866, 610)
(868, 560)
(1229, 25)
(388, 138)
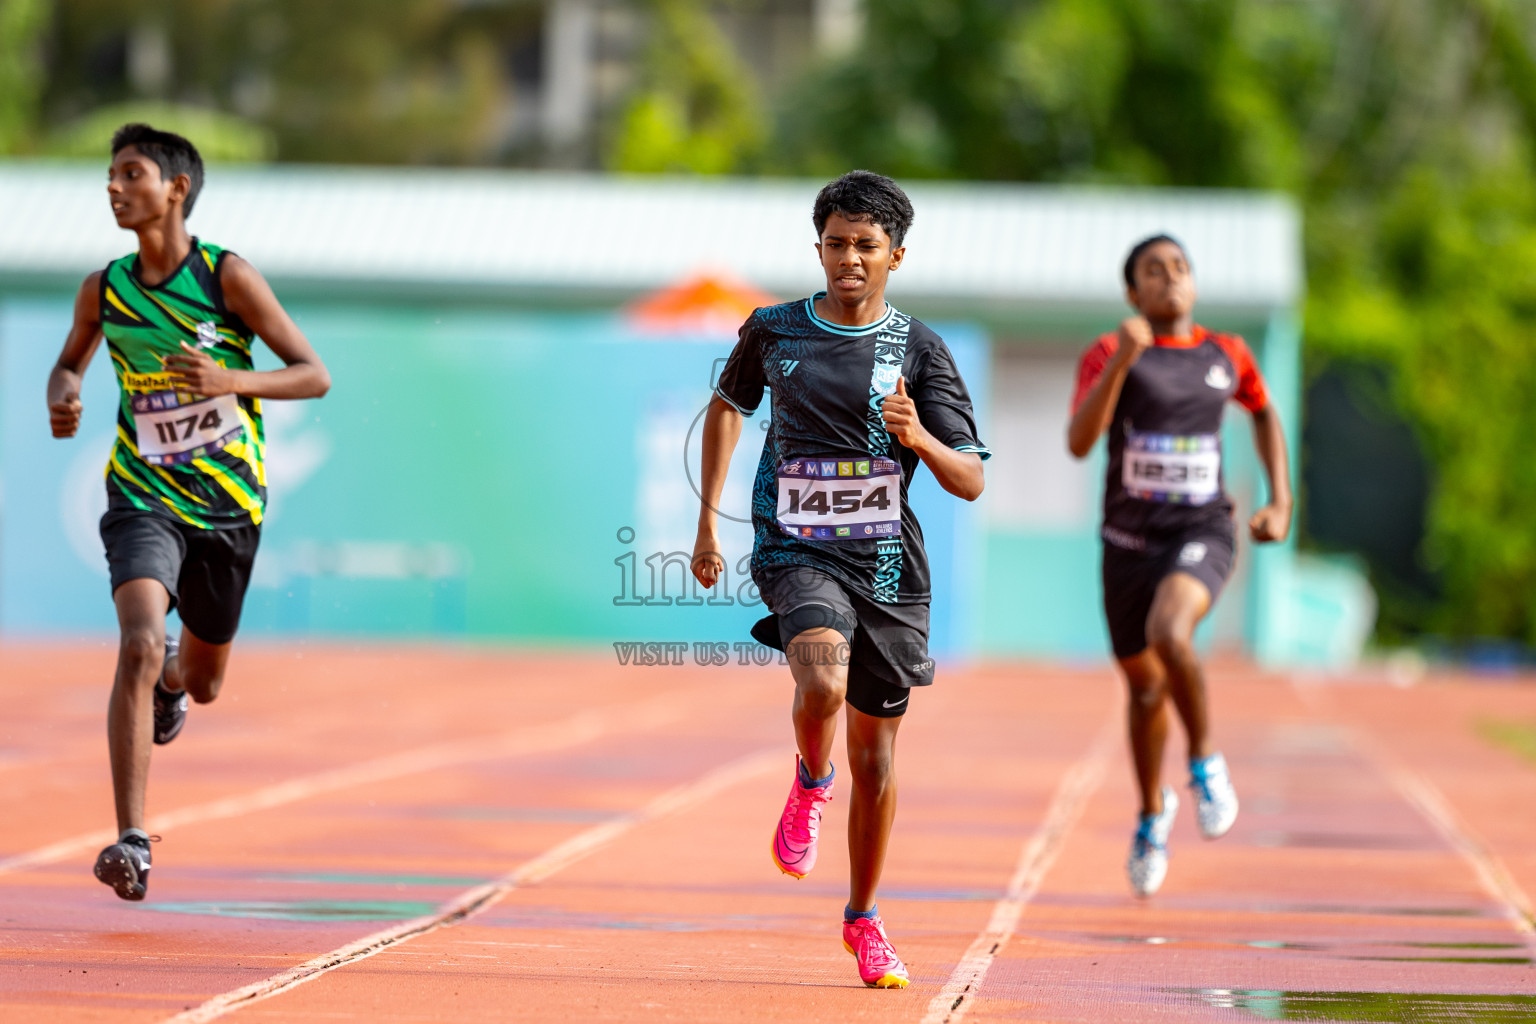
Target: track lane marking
(580, 728)
(1433, 806)
(1489, 868)
(556, 858)
(1040, 851)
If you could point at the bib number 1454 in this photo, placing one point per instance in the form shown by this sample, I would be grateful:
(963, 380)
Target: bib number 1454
(840, 499)
(842, 502)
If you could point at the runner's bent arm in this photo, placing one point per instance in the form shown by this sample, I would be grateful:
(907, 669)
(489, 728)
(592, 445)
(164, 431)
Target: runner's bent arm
(248, 296)
(722, 429)
(1092, 417)
(84, 337)
(959, 473)
(1273, 521)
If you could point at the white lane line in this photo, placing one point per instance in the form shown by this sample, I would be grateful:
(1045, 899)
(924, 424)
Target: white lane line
(534, 739)
(1041, 850)
(581, 845)
(1432, 805)
(1489, 868)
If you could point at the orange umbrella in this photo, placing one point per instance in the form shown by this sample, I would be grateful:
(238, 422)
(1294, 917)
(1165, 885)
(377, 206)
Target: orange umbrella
(709, 303)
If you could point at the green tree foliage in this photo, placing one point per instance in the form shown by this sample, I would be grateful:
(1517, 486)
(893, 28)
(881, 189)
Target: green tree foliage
(1200, 92)
(362, 81)
(22, 23)
(695, 109)
(386, 81)
(1407, 129)
(218, 136)
(1422, 257)
(1444, 292)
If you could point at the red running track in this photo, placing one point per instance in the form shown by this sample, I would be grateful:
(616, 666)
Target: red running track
(389, 834)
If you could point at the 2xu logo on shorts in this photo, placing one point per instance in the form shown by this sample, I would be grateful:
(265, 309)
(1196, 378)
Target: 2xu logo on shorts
(1192, 553)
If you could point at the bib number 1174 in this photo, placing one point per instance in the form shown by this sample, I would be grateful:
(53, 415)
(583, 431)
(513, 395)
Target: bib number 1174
(167, 432)
(172, 431)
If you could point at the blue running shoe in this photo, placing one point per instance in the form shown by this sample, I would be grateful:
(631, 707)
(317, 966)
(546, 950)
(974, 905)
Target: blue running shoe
(1215, 799)
(1148, 864)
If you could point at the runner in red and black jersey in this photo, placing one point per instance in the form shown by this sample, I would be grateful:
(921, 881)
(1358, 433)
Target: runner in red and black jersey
(1159, 386)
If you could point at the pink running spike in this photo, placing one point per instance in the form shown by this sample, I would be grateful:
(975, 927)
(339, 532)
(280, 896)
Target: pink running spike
(879, 966)
(794, 841)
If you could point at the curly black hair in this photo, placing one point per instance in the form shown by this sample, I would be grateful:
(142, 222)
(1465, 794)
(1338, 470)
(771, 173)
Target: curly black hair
(865, 196)
(1141, 247)
(172, 153)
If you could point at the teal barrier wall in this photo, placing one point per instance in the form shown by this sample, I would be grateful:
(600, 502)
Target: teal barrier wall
(472, 473)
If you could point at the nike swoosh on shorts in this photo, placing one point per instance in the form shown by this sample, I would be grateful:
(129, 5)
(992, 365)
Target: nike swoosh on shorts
(891, 704)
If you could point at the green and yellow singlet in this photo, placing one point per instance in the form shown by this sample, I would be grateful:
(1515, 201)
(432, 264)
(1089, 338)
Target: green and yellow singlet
(194, 459)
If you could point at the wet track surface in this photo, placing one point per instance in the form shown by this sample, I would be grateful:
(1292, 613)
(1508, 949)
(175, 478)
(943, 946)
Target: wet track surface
(463, 835)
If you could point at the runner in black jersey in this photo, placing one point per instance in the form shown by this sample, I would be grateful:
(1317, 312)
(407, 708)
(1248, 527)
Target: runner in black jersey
(1160, 386)
(186, 481)
(861, 394)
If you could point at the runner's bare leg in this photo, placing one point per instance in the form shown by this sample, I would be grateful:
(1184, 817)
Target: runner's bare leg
(142, 605)
(1179, 605)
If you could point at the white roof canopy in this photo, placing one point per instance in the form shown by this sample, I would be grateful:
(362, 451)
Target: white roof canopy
(999, 244)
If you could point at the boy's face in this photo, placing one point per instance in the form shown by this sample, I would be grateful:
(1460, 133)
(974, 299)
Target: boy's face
(857, 258)
(138, 193)
(1165, 288)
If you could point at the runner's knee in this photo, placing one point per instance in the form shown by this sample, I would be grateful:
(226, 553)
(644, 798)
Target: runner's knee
(1167, 625)
(1146, 698)
(203, 690)
(821, 690)
(818, 660)
(872, 766)
(141, 651)
(1173, 644)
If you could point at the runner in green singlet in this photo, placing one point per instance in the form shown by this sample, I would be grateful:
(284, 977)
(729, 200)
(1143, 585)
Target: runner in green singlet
(186, 481)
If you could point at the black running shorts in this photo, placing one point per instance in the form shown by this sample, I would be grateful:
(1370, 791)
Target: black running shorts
(885, 645)
(206, 572)
(1131, 575)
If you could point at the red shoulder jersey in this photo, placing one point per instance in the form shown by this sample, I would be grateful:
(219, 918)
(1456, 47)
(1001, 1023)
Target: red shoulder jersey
(1165, 454)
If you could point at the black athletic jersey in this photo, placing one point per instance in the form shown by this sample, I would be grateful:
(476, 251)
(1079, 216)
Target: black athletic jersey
(827, 445)
(1164, 471)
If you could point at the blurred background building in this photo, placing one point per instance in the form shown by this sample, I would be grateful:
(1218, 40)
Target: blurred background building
(523, 361)
(1354, 177)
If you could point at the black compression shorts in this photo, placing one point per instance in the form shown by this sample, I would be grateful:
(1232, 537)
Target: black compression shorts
(885, 645)
(206, 572)
(1131, 576)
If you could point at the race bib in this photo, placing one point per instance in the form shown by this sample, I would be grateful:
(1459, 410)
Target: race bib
(840, 499)
(1165, 467)
(175, 427)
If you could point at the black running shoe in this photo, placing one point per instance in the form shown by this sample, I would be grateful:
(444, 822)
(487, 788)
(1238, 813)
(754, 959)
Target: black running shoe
(170, 708)
(125, 867)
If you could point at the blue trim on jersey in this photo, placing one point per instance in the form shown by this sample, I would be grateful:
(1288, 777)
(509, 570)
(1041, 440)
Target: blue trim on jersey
(730, 403)
(810, 311)
(985, 453)
(890, 357)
